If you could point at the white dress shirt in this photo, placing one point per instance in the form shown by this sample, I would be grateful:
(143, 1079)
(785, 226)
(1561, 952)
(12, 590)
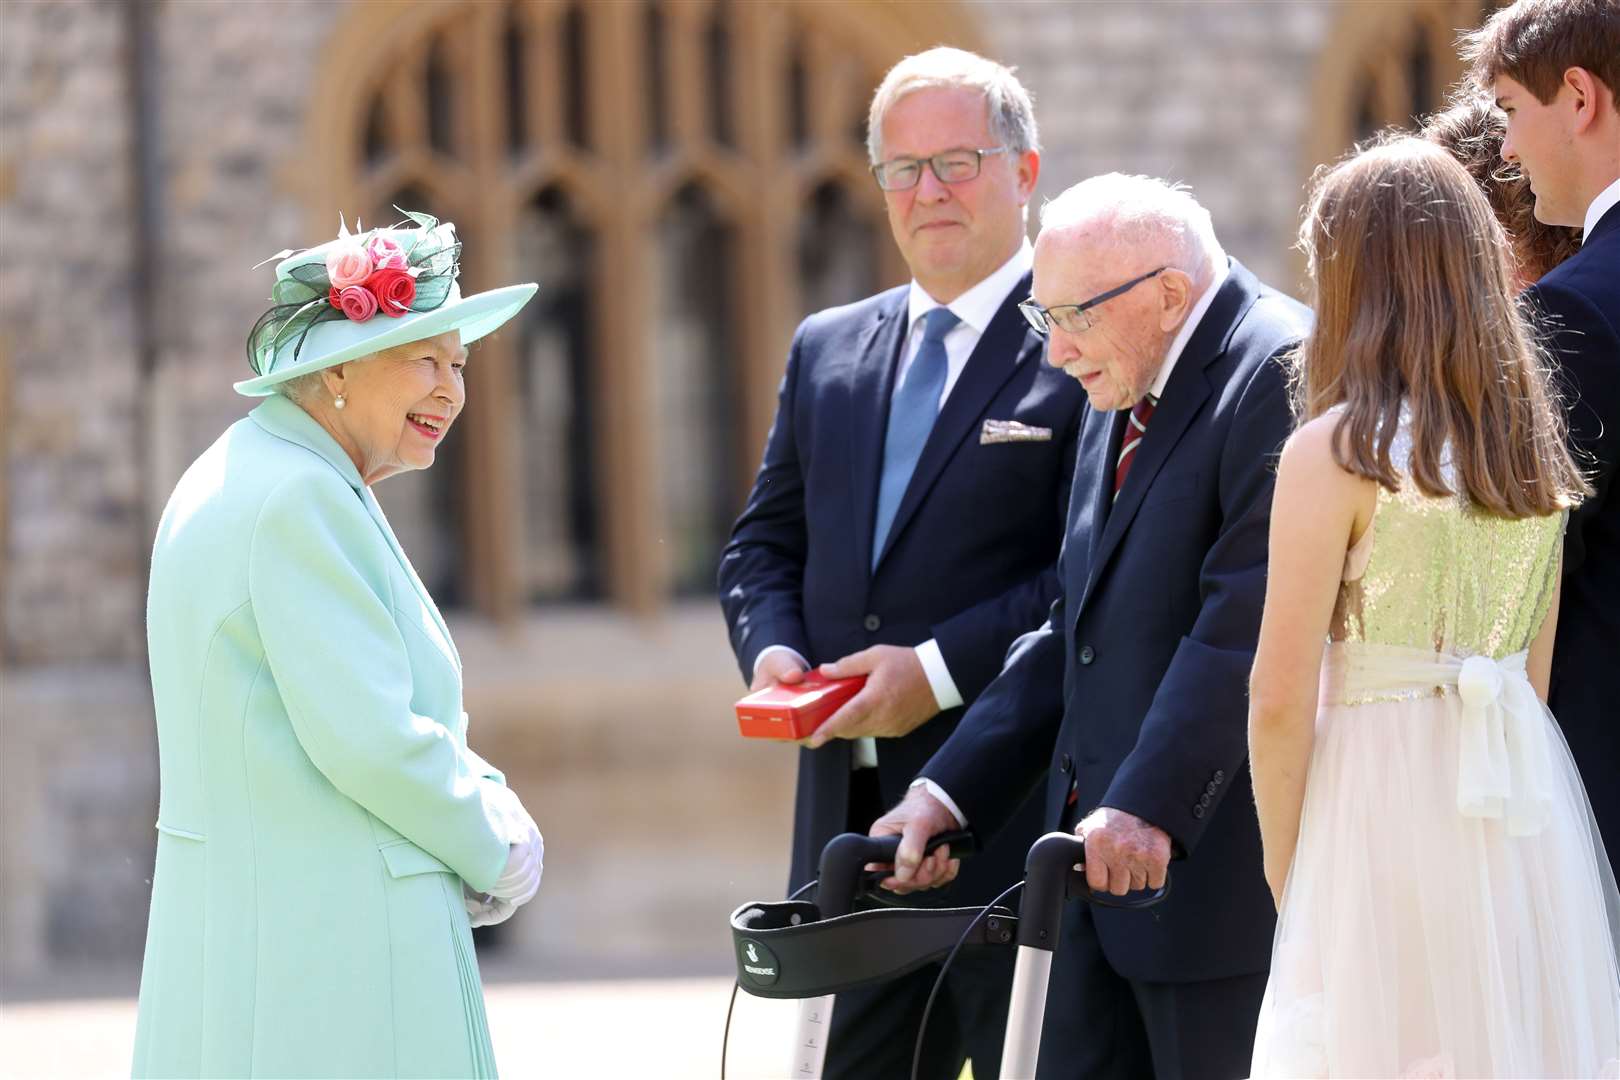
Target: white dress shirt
(1162, 379)
(1606, 200)
(974, 309)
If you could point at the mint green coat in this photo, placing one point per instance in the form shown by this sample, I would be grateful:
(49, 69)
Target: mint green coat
(320, 808)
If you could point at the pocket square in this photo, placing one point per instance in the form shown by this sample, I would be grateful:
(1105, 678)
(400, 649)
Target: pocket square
(1005, 431)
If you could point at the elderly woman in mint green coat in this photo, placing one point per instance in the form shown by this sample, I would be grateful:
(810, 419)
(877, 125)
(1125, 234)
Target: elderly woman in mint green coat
(325, 835)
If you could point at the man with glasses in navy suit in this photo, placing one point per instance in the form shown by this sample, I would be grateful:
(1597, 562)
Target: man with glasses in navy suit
(1131, 702)
(905, 522)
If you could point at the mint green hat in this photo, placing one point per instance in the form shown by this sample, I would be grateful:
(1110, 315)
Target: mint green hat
(365, 292)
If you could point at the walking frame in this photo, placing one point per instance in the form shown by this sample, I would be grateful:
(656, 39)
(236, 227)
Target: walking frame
(812, 950)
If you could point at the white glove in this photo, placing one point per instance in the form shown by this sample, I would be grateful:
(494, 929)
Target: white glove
(526, 857)
(485, 910)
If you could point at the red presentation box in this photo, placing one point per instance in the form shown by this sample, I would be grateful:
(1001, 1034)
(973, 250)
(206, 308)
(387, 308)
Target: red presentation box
(793, 712)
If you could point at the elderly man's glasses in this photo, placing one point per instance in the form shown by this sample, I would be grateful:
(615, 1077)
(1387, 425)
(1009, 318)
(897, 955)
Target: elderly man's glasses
(950, 167)
(1073, 318)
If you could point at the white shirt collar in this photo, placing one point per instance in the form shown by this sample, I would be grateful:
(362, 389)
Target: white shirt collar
(978, 305)
(1606, 200)
(1206, 298)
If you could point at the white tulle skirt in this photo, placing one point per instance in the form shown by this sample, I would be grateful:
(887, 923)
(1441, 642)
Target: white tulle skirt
(1450, 911)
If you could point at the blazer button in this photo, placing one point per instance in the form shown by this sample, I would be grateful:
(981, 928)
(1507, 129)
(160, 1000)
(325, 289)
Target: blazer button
(1065, 763)
(872, 623)
(1198, 810)
(1209, 788)
(1203, 801)
(1087, 654)
(1220, 777)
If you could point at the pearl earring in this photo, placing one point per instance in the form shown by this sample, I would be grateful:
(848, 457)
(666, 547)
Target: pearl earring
(337, 402)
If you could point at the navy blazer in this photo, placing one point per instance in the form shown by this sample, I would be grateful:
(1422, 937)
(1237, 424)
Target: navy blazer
(1579, 301)
(971, 556)
(1137, 686)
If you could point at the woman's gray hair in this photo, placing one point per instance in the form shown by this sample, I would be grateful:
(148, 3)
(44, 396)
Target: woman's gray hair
(1011, 111)
(303, 389)
(1142, 212)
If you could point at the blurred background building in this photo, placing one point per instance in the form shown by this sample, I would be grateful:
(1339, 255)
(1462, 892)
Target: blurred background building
(686, 179)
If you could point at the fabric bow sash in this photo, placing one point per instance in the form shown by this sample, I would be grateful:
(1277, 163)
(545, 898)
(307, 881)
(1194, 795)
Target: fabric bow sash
(1503, 766)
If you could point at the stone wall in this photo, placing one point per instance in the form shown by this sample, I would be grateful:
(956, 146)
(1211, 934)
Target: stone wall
(1217, 95)
(72, 558)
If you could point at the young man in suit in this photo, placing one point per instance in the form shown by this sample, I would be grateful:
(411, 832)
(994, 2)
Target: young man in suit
(1554, 68)
(1132, 699)
(906, 519)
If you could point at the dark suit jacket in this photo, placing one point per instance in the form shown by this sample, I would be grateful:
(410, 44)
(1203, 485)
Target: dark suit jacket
(1136, 688)
(1580, 303)
(970, 559)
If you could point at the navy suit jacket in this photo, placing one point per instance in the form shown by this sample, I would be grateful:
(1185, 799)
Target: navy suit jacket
(1579, 301)
(970, 559)
(1137, 686)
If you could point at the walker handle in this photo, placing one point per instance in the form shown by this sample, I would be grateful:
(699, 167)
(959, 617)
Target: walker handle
(845, 857)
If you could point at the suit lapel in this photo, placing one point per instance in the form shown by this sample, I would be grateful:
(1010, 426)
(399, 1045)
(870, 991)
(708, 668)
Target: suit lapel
(871, 383)
(1088, 498)
(1184, 397)
(1004, 347)
(1111, 434)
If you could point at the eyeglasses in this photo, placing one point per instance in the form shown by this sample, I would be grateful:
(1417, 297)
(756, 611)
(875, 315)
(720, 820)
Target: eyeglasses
(1072, 318)
(950, 167)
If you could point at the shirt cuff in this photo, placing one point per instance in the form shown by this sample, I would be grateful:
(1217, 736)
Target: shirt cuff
(767, 650)
(939, 793)
(946, 695)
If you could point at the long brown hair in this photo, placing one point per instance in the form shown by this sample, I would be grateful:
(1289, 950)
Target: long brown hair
(1414, 306)
(1471, 129)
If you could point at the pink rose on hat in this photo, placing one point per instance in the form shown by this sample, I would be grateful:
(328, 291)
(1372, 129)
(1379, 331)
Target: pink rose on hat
(385, 253)
(347, 264)
(355, 301)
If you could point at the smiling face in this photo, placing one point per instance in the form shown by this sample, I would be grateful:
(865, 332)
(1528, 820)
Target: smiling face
(954, 235)
(1118, 358)
(397, 404)
(1540, 138)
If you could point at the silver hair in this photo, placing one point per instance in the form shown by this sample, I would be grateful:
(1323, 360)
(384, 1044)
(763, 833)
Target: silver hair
(1141, 211)
(302, 389)
(1011, 110)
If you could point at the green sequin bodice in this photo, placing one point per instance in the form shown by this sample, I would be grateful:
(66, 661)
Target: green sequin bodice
(1439, 573)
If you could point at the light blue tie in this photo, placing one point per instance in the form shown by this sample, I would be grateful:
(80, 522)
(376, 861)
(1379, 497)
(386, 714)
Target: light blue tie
(911, 417)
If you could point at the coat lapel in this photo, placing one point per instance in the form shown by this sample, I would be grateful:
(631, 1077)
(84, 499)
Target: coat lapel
(1004, 347)
(871, 383)
(1184, 397)
(1088, 499)
(285, 420)
(377, 515)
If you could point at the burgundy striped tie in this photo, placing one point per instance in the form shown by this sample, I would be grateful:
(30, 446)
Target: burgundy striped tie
(1135, 430)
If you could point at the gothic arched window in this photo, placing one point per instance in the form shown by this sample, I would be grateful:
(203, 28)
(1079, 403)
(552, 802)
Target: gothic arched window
(685, 179)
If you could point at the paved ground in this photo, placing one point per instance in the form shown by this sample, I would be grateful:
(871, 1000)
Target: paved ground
(609, 1029)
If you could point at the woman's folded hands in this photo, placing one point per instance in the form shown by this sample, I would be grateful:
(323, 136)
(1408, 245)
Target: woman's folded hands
(524, 862)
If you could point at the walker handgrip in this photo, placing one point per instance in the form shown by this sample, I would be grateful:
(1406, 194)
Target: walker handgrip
(846, 855)
(1050, 878)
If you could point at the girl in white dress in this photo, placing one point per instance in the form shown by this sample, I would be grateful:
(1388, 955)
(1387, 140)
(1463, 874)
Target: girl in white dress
(1444, 906)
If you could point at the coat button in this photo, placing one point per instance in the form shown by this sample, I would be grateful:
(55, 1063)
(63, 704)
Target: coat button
(1065, 763)
(1209, 788)
(1198, 810)
(872, 623)
(1203, 801)
(1220, 777)
(1087, 654)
